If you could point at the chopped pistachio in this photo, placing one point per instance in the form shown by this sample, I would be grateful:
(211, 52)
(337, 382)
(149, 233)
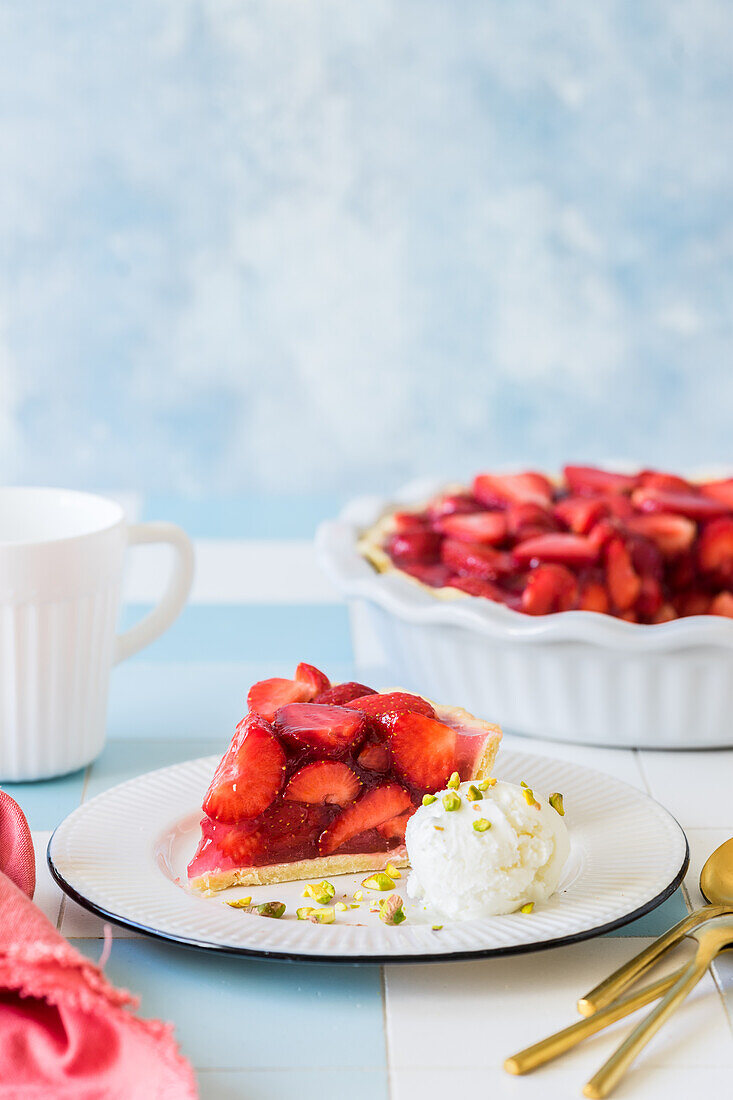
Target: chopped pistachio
(392, 871)
(529, 797)
(305, 912)
(240, 903)
(481, 824)
(486, 783)
(473, 794)
(271, 909)
(391, 911)
(557, 803)
(428, 799)
(341, 906)
(358, 895)
(451, 801)
(354, 906)
(439, 828)
(323, 916)
(522, 783)
(527, 908)
(322, 892)
(437, 927)
(454, 781)
(378, 881)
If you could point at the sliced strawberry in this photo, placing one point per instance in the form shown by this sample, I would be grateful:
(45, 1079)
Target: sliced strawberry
(267, 696)
(646, 557)
(423, 751)
(488, 527)
(656, 479)
(315, 680)
(473, 559)
(368, 812)
(420, 545)
(715, 548)
(693, 505)
(502, 489)
(549, 588)
(624, 583)
(341, 694)
(374, 757)
(475, 586)
(593, 597)
(407, 522)
(589, 479)
(602, 533)
(650, 598)
(394, 829)
(435, 576)
(452, 504)
(719, 490)
(619, 506)
(250, 774)
(682, 572)
(672, 534)
(692, 602)
(573, 550)
(580, 513)
(664, 614)
(327, 782)
(329, 730)
(722, 605)
(527, 520)
(384, 709)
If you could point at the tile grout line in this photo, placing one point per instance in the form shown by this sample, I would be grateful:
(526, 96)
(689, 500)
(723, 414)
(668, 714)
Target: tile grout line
(385, 1028)
(62, 907)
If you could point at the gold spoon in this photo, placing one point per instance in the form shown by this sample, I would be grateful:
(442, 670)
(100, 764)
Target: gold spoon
(601, 1007)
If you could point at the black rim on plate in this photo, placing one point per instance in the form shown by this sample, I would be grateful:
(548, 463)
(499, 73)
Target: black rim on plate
(365, 960)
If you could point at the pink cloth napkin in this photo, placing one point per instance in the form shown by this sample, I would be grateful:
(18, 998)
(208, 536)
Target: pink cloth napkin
(65, 1032)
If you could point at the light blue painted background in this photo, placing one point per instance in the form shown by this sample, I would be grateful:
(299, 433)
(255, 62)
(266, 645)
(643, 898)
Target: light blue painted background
(255, 245)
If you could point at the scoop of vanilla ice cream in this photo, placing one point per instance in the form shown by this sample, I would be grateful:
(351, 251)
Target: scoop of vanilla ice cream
(464, 873)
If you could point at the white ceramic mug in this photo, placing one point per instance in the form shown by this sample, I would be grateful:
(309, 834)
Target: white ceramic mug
(61, 563)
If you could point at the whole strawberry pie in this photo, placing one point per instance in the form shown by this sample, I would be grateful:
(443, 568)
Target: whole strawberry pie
(322, 779)
(647, 547)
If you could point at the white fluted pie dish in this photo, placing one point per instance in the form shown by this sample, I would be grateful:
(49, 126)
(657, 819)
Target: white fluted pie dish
(572, 675)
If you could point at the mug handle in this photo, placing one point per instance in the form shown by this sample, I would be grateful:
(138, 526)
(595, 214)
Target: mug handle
(152, 625)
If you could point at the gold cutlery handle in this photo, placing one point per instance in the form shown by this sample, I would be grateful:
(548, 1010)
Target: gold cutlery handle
(554, 1045)
(613, 1070)
(609, 989)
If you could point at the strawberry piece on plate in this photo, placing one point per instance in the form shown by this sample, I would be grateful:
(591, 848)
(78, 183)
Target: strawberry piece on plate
(249, 776)
(475, 559)
(672, 534)
(326, 729)
(566, 549)
(315, 680)
(722, 605)
(693, 505)
(549, 588)
(488, 527)
(719, 490)
(386, 708)
(501, 489)
(622, 580)
(580, 513)
(423, 751)
(421, 546)
(341, 694)
(267, 696)
(715, 548)
(593, 597)
(374, 757)
(589, 479)
(368, 812)
(325, 782)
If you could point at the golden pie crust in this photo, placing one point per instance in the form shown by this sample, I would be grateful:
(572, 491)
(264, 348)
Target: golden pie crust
(353, 863)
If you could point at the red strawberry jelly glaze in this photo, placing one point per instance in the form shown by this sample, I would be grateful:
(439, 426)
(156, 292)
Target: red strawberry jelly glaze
(631, 545)
(324, 780)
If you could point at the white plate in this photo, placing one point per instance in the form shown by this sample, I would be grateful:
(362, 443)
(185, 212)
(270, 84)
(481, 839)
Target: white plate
(123, 855)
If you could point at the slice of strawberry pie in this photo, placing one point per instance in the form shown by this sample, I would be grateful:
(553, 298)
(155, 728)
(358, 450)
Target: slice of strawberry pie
(321, 779)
